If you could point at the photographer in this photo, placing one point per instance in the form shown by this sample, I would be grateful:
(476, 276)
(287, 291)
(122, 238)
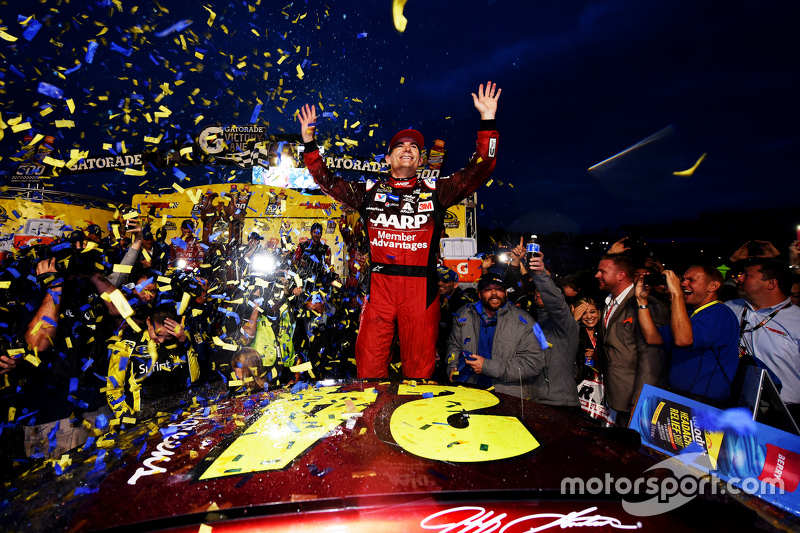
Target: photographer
(67, 339)
(704, 345)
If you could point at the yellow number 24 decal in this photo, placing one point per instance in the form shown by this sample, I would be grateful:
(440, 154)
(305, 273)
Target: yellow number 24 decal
(287, 429)
(422, 428)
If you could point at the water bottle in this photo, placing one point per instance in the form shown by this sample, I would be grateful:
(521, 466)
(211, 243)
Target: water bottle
(532, 249)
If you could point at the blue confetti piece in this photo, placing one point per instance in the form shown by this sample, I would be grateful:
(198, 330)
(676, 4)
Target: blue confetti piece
(86, 490)
(361, 35)
(73, 69)
(33, 27)
(427, 395)
(180, 243)
(178, 173)
(537, 330)
(87, 364)
(101, 422)
(169, 430)
(51, 91)
(141, 451)
(73, 384)
(17, 72)
(254, 116)
(90, 52)
(521, 319)
(291, 425)
(13, 272)
(123, 51)
(737, 420)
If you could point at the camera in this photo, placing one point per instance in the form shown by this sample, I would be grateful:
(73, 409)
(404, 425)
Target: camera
(655, 279)
(754, 249)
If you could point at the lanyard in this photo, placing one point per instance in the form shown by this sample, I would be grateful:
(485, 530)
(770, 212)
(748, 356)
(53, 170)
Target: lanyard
(704, 306)
(743, 323)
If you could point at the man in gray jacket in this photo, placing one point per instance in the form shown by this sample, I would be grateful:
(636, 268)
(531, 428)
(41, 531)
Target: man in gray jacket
(556, 384)
(493, 342)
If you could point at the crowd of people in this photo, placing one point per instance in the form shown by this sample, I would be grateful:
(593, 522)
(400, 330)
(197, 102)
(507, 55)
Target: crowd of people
(96, 329)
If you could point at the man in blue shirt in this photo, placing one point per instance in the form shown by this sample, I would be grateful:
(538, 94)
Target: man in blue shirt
(703, 345)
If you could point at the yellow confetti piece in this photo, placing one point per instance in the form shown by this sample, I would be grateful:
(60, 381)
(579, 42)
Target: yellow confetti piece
(690, 171)
(133, 172)
(12, 413)
(128, 420)
(71, 105)
(402, 80)
(178, 188)
(33, 359)
(20, 127)
(65, 123)
(488, 183)
(305, 367)
(133, 325)
(7, 37)
(205, 528)
(123, 269)
(299, 72)
(235, 383)
(400, 21)
(184, 303)
(119, 301)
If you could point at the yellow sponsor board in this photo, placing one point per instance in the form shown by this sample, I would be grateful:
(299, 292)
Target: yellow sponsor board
(269, 211)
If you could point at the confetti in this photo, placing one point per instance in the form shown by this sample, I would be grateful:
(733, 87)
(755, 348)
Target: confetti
(400, 21)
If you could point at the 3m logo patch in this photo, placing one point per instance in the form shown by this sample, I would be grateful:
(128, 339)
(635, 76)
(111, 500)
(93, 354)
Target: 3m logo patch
(425, 206)
(492, 147)
(380, 197)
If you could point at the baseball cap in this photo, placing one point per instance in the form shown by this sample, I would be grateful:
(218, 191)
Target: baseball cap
(147, 235)
(256, 236)
(404, 135)
(187, 224)
(93, 229)
(446, 274)
(490, 279)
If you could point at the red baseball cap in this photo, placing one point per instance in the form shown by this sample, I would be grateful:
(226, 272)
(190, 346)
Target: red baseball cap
(407, 135)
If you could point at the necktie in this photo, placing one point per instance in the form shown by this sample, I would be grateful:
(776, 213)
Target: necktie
(608, 312)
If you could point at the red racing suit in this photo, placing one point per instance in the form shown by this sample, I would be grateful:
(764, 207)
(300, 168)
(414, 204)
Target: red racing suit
(404, 220)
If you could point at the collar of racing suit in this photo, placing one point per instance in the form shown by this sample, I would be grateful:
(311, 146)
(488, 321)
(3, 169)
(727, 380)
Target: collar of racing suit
(404, 183)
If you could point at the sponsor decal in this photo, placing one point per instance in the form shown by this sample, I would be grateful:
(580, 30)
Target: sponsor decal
(425, 206)
(371, 208)
(403, 184)
(393, 197)
(451, 220)
(425, 195)
(380, 197)
(357, 164)
(408, 198)
(392, 204)
(400, 222)
(107, 162)
(407, 208)
(479, 519)
(316, 205)
(492, 146)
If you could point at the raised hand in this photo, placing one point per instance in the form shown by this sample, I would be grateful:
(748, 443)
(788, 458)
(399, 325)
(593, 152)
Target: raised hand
(619, 247)
(578, 312)
(486, 100)
(307, 115)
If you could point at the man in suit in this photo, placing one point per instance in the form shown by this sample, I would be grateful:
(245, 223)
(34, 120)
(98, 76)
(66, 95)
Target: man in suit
(629, 361)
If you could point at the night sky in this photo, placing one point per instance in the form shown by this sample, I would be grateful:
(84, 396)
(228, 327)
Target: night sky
(581, 82)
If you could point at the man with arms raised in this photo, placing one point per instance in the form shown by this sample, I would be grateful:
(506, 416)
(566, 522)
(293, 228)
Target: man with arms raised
(404, 217)
(703, 345)
(630, 361)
